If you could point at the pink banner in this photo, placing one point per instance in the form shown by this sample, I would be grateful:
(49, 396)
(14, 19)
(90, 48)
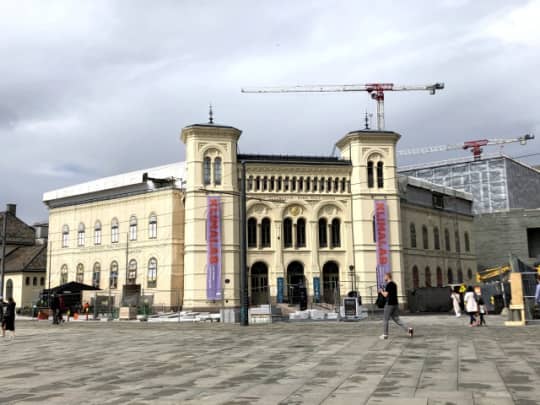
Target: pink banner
(382, 236)
(213, 238)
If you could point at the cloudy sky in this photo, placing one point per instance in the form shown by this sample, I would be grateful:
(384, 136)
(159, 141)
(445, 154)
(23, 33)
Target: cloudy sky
(91, 89)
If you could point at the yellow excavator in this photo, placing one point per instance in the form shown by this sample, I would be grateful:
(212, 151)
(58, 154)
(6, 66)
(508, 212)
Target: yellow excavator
(497, 272)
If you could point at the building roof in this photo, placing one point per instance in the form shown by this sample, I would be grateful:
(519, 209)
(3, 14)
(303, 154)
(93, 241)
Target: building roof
(427, 185)
(26, 258)
(294, 159)
(175, 171)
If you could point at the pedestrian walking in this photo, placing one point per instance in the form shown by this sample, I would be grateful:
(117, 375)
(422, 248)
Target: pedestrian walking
(55, 308)
(8, 322)
(482, 309)
(391, 309)
(86, 309)
(456, 301)
(537, 292)
(471, 306)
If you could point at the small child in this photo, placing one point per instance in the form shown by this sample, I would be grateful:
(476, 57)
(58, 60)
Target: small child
(482, 310)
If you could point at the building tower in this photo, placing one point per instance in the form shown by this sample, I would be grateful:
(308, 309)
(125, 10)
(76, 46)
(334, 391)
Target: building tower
(375, 207)
(211, 268)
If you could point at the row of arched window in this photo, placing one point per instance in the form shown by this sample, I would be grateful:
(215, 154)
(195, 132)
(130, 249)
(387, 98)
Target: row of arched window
(34, 281)
(294, 233)
(375, 172)
(212, 171)
(439, 281)
(115, 231)
(131, 276)
(436, 239)
(299, 184)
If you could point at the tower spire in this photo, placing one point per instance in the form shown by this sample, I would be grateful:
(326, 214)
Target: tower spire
(210, 114)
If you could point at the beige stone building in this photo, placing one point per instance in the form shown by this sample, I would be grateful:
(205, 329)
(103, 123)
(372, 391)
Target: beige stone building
(121, 230)
(330, 224)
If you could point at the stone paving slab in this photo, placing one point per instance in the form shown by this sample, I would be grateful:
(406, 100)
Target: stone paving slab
(283, 363)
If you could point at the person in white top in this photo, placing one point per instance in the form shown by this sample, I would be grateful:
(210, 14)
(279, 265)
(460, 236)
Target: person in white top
(455, 301)
(471, 306)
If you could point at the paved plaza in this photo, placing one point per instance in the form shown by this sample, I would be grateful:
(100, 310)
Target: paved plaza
(289, 363)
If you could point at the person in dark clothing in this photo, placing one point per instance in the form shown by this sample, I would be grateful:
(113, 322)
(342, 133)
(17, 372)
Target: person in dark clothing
(55, 307)
(8, 322)
(391, 308)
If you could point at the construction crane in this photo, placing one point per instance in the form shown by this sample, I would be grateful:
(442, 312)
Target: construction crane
(376, 90)
(474, 146)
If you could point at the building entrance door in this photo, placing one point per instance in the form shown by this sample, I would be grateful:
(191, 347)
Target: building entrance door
(259, 284)
(330, 282)
(295, 281)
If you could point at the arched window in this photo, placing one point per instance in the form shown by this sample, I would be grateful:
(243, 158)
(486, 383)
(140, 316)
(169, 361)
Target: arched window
(425, 240)
(34, 281)
(152, 226)
(152, 273)
(380, 175)
(412, 229)
(27, 281)
(447, 240)
(458, 244)
(265, 183)
(427, 276)
(79, 277)
(370, 176)
(308, 184)
(65, 236)
(329, 185)
(42, 281)
(436, 239)
(439, 277)
(315, 183)
(133, 228)
(64, 274)
(272, 183)
(323, 233)
(336, 232)
(115, 231)
(258, 183)
(207, 170)
(80, 235)
(96, 275)
(293, 184)
(132, 272)
(287, 232)
(97, 233)
(467, 242)
(450, 276)
(286, 184)
(113, 275)
(321, 184)
(279, 183)
(301, 232)
(301, 184)
(217, 171)
(343, 184)
(252, 232)
(9, 288)
(415, 277)
(265, 232)
(250, 183)
(469, 274)
(460, 276)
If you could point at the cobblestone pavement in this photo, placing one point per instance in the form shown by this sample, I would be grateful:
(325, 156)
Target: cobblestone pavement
(284, 363)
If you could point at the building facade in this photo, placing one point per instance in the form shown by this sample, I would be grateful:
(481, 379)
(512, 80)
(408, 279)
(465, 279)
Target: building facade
(329, 224)
(25, 258)
(437, 228)
(121, 230)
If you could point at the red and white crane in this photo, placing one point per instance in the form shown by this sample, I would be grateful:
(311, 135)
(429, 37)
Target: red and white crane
(376, 90)
(474, 146)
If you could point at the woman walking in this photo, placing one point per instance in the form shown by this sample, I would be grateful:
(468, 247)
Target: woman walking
(471, 306)
(456, 301)
(8, 323)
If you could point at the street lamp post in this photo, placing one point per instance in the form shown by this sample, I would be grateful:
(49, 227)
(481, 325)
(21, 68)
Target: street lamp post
(353, 280)
(3, 264)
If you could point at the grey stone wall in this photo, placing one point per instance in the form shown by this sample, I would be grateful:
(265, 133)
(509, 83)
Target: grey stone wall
(498, 234)
(523, 185)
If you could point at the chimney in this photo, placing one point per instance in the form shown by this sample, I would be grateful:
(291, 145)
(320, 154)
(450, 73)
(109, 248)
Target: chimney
(12, 209)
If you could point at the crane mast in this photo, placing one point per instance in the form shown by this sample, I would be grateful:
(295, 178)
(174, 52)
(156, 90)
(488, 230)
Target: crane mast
(375, 90)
